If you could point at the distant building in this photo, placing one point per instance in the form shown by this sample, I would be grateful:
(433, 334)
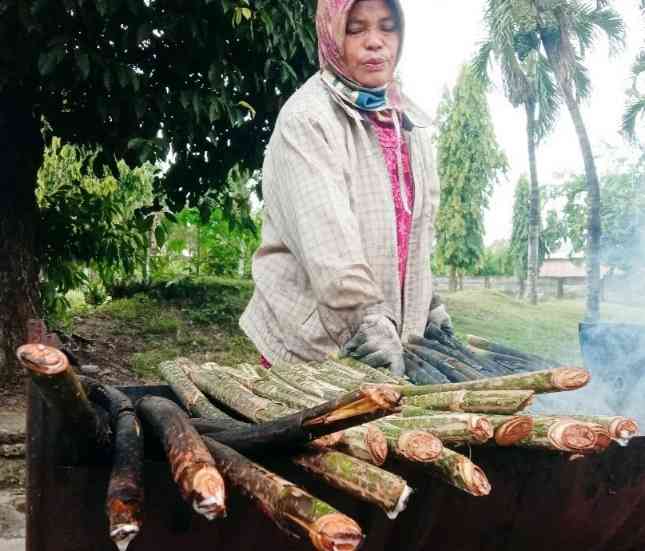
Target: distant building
(565, 269)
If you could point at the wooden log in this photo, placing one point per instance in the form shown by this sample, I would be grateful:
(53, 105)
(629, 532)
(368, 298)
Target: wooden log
(509, 430)
(225, 390)
(193, 399)
(565, 434)
(365, 442)
(414, 446)
(191, 464)
(452, 428)
(125, 495)
(455, 370)
(552, 380)
(292, 509)
(86, 432)
(474, 401)
(485, 344)
(447, 370)
(359, 479)
(460, 472)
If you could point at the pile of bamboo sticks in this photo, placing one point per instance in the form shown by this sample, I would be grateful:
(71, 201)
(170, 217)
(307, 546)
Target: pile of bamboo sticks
(338, 421)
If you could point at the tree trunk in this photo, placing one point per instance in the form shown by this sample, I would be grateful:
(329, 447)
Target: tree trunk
(534, 206)
(21, 152)
(452, 284)
(594, 225)
(521, 283)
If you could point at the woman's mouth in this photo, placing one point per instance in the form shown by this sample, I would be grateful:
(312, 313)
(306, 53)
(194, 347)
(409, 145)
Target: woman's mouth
(375, 65)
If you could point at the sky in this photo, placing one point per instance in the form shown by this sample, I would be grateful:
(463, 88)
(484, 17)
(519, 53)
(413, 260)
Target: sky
(443, 34)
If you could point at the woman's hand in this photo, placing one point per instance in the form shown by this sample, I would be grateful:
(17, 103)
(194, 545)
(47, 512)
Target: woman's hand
(377, 344)
(439, 316)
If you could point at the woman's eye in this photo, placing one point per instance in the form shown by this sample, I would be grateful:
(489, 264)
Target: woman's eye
(354, 29)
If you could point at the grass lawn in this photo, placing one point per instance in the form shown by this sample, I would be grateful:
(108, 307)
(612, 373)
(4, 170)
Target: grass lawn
(549, 329)
(199, 320)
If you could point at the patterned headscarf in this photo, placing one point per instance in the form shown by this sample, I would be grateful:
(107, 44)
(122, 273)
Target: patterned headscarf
(385, 102)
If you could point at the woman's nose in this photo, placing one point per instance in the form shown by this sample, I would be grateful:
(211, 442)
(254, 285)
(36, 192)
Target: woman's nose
(374, 40)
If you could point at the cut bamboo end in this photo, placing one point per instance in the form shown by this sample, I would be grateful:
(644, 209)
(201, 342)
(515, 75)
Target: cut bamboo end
(336, 532)
(481, 428)
(570, 378)
(208, 493)
(125, 517)
(573, 436)
(42, 359)
(372, 399)
(475, 480)
(419, 446)
(376, 443)
(623, 428)
(512, 431)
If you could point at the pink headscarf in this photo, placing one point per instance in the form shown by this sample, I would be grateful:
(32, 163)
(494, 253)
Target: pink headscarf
(331, 25)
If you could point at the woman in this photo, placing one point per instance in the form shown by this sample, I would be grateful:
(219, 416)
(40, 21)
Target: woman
(350, 197)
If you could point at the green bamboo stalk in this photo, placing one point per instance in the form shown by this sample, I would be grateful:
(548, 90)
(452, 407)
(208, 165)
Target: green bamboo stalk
(566, 434)
(450, 428)
(359, 479)
(366, 442)
(509, 430)
(620, 428)
(473, 401)
(460, 472)
(552, 380)
(278, 391)
(414, 446)
(302, 378)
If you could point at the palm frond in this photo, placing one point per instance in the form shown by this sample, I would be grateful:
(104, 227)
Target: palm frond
(612, 24)
(634, 110)
(549, 99)
(482, 60)
(639, 64)
(581, 80)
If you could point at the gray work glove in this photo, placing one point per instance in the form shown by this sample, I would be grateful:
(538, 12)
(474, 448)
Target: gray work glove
(377, 344)
(440, 317)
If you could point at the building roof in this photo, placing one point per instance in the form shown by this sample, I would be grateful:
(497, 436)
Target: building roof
(566, 268)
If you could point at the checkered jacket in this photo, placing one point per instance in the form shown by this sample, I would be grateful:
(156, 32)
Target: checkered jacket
(329, 250)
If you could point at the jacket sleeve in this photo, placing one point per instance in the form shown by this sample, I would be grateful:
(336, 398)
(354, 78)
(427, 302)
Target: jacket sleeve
(310, 201)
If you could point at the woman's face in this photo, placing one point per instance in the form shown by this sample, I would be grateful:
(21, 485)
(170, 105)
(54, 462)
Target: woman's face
(372, 43)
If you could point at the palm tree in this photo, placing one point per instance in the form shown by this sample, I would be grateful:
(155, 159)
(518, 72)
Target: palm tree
(528, 82)
(567, 29)
(636, 105)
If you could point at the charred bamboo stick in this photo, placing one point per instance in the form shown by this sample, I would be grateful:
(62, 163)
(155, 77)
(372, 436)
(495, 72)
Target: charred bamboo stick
(227, 391)
(420, 372)
(509, 430)
(447, 370)
(474, 401)
(453, 428)
(125, 499)
(414, 446)
(291, 508)
(301, 377)
(552, 380)
(452, 347)
(531, 359)
(191, 464)
(564, 434)
(193, 399)
(350, 410)
(61, 389)
(359, 479)
(509, 362)
(460, 472)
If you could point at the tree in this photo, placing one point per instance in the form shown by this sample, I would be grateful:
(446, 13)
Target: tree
(550, 237)
(636, 104)
(567, 29)
(528, 82)
(469, 161)
(202, 79)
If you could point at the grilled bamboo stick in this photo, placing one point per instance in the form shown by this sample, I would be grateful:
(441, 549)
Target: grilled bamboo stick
(420, 372)
(125, 496)
(509, 430)
(532, 359)
(474, 401)
(174, 372)
(450, 428)
(222, 388)
(512, 363)
(291, 508)
(552, 380)
(359, 479)
(61, 389)
(436, 359)
(191, 464)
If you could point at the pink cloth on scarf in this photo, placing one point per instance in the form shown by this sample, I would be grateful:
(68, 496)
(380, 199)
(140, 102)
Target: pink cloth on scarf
(387, 137)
